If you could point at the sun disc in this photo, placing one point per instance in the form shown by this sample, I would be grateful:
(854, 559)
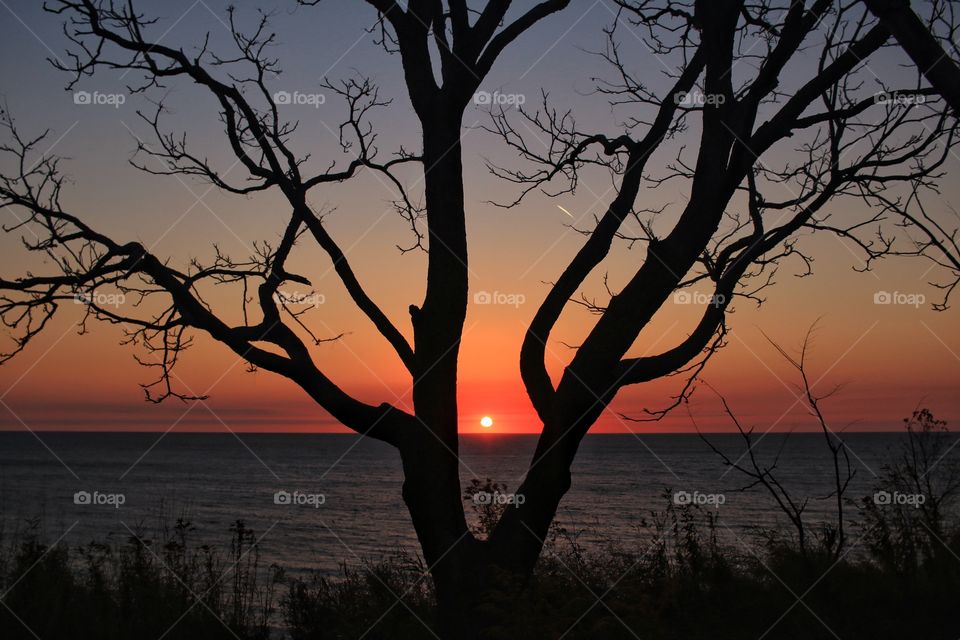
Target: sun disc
(486, 422)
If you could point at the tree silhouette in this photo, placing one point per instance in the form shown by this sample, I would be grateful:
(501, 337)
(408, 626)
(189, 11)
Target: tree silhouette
(783, 119)
(920, 41)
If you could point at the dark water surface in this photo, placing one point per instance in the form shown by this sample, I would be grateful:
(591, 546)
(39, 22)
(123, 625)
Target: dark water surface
(214, 479)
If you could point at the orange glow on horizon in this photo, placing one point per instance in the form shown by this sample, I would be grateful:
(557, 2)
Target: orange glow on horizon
(890, 358)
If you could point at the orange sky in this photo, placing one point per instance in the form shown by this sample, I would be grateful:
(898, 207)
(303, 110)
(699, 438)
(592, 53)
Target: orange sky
(891, 358)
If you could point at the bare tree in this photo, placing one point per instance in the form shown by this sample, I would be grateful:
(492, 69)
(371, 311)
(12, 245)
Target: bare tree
(840, 155)
(764, 475)
(845, 143)
(919, 39)
(930, 42)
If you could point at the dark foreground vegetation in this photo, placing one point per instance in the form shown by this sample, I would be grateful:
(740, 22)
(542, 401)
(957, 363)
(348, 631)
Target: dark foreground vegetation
(897, 577)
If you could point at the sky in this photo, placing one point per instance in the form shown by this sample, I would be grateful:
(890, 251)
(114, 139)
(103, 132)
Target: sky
(889, 359)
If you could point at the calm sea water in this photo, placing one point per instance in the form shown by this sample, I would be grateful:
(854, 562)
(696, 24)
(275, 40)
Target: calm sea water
(214, 479)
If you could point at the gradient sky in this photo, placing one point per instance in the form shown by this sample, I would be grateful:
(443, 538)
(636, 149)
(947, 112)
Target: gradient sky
(890, 358)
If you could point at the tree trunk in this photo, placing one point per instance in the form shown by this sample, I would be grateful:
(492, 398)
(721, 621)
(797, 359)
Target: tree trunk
(474, 584)
(431, 488)
(518, 540)
(431, 493)
(936, 65)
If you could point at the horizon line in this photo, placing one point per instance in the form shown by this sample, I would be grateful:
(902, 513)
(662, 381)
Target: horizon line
(462, 433)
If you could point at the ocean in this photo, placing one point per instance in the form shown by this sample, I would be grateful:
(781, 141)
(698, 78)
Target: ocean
(343, 503)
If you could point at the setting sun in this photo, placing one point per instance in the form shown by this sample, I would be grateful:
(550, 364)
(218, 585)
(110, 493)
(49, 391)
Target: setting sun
(184, 202)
